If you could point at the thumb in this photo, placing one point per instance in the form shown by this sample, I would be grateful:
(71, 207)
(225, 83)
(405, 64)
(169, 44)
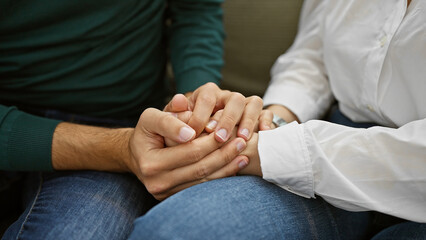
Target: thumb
(154, 121)
(179, 103)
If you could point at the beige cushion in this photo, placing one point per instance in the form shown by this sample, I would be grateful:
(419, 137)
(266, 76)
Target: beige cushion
(258, 31)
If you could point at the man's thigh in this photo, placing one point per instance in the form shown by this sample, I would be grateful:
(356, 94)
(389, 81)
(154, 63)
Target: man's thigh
(247, 208)
(80, 205)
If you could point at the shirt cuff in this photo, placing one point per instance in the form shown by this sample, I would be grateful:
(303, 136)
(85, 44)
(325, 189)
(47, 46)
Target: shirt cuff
(27, 141)
(193, 79)
(293, 98)
(285, 160)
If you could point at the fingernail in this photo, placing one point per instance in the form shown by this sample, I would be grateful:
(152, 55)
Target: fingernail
(242, 164)
(245, 132)
(212, 124)
(240, 146)
(222, 134)
(186, 133)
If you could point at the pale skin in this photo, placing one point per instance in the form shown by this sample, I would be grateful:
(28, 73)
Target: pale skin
(265, 123)
(141, 150)
(251, 150)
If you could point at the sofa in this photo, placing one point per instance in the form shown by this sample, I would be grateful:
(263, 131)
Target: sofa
(257, 33)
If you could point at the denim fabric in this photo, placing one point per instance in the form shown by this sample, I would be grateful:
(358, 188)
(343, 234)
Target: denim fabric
(248, 207)
(403, 231)
(73, 204)
(80, 205)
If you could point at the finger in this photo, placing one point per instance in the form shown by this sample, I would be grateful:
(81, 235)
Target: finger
(203, 109)
(207, 88)
(231, 169)
(186, 154)
(183, 116)
(154, 121)
(179, 103)
(210, 164)
(211, 126)
(265, 120)
(234, 108)
(250, 117)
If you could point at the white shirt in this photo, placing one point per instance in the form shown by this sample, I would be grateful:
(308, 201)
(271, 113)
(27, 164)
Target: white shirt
(371, 57)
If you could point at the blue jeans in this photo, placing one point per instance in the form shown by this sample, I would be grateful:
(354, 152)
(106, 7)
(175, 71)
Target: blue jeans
(248, 207)
(80, 205)
(74, 204)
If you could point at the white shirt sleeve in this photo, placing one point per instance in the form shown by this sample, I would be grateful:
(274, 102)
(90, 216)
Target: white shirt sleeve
(381, 169)
(298, 78)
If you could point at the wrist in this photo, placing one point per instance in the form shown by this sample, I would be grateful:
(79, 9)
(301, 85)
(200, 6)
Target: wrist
(252, 153)
(283, 112)
(123, 157)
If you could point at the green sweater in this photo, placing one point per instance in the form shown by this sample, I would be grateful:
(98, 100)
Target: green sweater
(96, 58)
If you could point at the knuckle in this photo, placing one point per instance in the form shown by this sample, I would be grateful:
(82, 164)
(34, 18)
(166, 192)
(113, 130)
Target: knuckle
(210, 85)
(149, 169)
(208, 99)
(196, 153)
(266, 115)
(229, 119)
(249, 122)
(195, 119)
(256, 99)
(156, 189)
(161, 197)
(228, 156)
(146, 113)
(202, 171)
(238, 97)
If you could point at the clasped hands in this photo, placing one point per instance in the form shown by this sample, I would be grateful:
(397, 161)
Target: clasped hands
(207, 135)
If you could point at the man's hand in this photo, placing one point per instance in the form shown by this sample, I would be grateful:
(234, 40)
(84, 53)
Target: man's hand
(208, 99)
(165, 171)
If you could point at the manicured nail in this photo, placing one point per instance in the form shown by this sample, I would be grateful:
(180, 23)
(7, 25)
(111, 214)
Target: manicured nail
(245, 132)
(186, 133)
(222, 134)
(242, 164)
(212, 124)
(240, 146)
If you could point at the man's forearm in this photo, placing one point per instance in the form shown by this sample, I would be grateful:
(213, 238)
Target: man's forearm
(80, 147)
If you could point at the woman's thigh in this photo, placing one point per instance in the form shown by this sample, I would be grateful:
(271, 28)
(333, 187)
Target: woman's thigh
(403, 231)
(80, 205)
(247, 208)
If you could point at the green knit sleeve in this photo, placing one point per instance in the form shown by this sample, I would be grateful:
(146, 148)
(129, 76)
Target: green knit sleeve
(25, 141)
(196, 42)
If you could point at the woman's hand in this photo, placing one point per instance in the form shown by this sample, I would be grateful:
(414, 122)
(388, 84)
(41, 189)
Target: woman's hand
(208, 99)
(252, 153)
